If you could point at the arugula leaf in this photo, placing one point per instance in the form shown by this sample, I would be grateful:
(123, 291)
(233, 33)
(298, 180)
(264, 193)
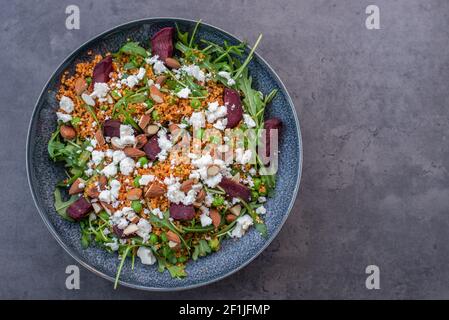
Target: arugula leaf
(177, 271)
(133, 48)
(61, 206)
(201, 249)
(182, 36)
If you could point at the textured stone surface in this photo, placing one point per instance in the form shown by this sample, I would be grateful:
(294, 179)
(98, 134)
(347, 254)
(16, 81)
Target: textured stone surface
(374, 120)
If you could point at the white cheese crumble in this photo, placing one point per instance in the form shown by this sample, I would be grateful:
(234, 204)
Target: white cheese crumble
(66, 104)
(110, 170)
(127, 135)
(194, 71)
(117, 156)
(184, 93)
(97, 156)
(248, 120)
(243, 157)
(145, 179)
(197, 120)
(101, 90)
(214, 112)
(205, 220)
(127, 166)
(146, 256)
(144, 229)
(243, 223)
(228, 77)
(261, 210)
(63, 117)
(164, 143)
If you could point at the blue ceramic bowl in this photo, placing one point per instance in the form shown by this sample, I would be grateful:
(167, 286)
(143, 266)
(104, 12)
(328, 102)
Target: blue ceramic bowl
(43, 174)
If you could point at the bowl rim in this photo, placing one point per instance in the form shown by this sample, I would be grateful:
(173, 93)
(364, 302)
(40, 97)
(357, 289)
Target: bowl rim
(79, 259)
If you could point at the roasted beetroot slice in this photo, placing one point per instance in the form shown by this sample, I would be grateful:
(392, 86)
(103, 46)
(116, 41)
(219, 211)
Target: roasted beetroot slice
(79, 209)
(102, 70)
(271, 124)
(234, 104)
(119, 232)
(162, 43)
(181, 212)
(111, 128)
(152, 148)
(235, 190)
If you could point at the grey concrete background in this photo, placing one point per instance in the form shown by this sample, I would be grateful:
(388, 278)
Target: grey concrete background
(373, 110)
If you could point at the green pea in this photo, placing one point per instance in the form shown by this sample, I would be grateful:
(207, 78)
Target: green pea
(214, 244)
(75, 121)
(153, 238)
(217, 201)
(164, 237)
(195, 104)
(136, 182)
(136, 205)
(143, 161)
(155, 115)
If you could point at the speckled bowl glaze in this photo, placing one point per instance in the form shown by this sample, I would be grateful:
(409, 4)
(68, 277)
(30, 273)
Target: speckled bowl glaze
(43, 174)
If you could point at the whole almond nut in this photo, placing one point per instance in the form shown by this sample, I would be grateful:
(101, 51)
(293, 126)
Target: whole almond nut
(134, 152)
(67, 132)
(173, 128)
(102, 182)
(144, 121)
(172, 63)
(200, 196)
(236, 177)
(132, 228)
(160, 80)
(134, 219)
(97, 207)
(100, 138)
(186, 186)
(116, 143)
(215, 216)
(107, 207)
(92, 192)
(171, 236)
(235, 210)
(213, 170)
(156, 95)
(77, 186)
(154, 190)
(230, 218)
(152, 129)
(141, 140)
(134, 194)
(80, 86)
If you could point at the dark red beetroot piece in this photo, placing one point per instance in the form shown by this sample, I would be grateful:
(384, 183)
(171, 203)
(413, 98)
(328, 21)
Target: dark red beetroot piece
(162, 43)
(271, 124)
(102, 70)
(235, 190)
(235, 111)
(152, 148)
(111, 128)
(119, 232)
(181, 212)
(79, 209)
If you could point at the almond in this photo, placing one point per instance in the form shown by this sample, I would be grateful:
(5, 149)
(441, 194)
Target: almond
(80, 86)
(141, 140)
(235, 210)
(156, 95)
(97, 207)
(134, 194)
(230, 218)
(154, 190)
(213, 170)
(134, 219)
(67, 132)
(200, 196)
(215, 216)
(186, 186)
(134, 152)
(160, 80)
(92, 192)
(77, 186)
(172, 63)
(132, 228)
(173, 128)
(107, 207)
(102, 182)
(116, 143)
(171, 236)
(100, 138)
(144, 121)
(236, 177)
(152, 129)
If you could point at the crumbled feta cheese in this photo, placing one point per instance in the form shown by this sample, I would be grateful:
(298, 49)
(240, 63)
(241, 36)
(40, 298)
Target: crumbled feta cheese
(97, 156)
(243, 157)
(64, 117)
(141, 73)
(243, 223)
(115, 188)
(101, 90)
(158, 212)
(262, 199)
(117, 156)
(248, 120)
(194, 71)
(145, 179)
(66, 104)
(164, 144)
(109, 153)
(228, 77)
(261, 210)
(88, 99)
(214, 112)
(113, 245)
(197, 120)
(184, 93)
(123, 223)
(127, 135)
(89, 172)
(130, 81)
(146, 256)
(106, 196)
(110, 170)
(221, 124)
(144, 229)
(205, 220)
(127, 166)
